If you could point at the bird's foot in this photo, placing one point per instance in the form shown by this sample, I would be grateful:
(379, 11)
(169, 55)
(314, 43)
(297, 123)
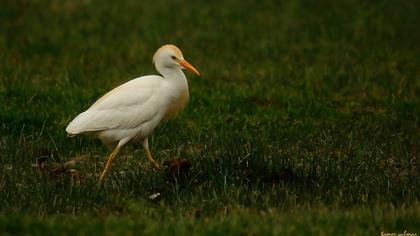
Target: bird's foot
(156, 166)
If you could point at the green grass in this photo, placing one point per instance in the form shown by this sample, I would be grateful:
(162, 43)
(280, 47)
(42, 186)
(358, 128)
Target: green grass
(305, 119)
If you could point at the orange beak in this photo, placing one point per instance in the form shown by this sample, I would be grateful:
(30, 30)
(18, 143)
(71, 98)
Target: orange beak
(188, 66)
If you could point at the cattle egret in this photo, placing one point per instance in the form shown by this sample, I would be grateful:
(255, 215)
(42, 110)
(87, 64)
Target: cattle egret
(131, 111)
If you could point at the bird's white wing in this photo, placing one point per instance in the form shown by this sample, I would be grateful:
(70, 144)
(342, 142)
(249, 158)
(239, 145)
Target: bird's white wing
(124, 107)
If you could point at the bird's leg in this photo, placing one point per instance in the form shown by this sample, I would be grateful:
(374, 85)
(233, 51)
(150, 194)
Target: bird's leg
(145, 144)
(108, 164)
(153, 162)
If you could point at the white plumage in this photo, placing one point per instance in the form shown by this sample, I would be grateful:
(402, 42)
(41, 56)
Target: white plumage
(134, 109)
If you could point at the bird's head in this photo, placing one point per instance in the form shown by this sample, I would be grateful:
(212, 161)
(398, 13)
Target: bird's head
(169, 56)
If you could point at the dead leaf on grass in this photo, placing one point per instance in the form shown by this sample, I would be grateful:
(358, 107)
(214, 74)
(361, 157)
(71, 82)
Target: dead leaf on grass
(177, 169)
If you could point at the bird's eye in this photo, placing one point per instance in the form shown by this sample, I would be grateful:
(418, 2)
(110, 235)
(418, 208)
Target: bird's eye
(173, 57)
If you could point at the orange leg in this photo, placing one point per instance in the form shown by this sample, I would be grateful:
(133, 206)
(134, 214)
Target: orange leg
(108, 164)
(153, 162)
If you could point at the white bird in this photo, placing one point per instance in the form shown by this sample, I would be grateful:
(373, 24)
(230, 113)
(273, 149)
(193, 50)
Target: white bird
(131, 111)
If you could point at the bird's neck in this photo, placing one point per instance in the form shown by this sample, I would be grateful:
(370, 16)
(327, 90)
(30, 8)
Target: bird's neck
(175, 76)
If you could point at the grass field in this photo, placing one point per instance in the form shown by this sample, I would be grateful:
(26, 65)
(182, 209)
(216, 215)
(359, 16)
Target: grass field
(305, 119)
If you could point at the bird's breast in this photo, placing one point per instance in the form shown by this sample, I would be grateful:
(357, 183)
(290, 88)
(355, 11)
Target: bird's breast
(176, 104)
